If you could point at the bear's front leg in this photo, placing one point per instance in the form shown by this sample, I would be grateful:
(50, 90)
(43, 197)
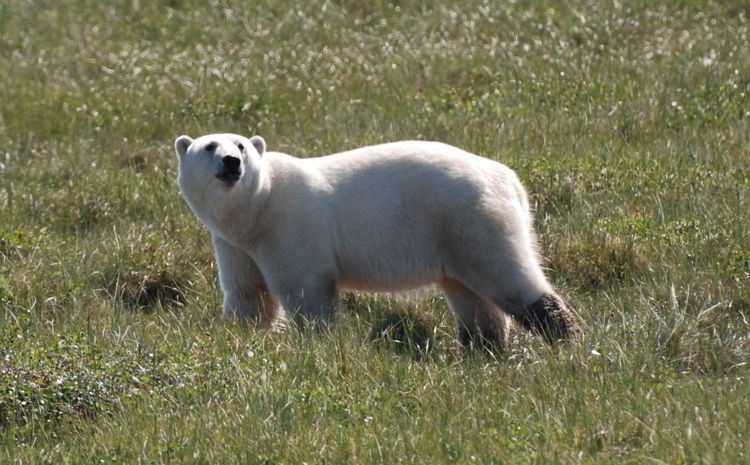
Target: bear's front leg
(246, 295)
(308, 298)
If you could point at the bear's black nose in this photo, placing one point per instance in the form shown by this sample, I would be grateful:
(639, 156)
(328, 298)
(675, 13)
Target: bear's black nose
(231, 164)
(230, 169)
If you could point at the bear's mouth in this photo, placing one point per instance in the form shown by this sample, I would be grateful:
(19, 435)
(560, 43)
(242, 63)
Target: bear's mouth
(228, 177)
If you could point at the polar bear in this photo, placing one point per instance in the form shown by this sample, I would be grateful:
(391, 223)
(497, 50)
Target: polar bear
(289, 232)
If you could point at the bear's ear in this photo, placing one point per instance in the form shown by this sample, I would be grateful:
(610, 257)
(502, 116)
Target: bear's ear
(259, 144)
(181, 145)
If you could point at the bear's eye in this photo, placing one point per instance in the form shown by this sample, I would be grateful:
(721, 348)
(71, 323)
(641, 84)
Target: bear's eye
(240, 146)
(211, 146)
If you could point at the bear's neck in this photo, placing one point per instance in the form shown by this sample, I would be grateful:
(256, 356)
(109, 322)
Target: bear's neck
(239, 220)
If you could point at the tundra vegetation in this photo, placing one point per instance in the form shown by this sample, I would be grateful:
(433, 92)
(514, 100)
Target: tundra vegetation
(628, 122)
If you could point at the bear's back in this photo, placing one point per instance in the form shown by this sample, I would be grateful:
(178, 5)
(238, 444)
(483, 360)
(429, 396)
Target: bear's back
(422, 172)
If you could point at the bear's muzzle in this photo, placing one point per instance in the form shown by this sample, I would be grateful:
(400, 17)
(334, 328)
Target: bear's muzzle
(230, 169)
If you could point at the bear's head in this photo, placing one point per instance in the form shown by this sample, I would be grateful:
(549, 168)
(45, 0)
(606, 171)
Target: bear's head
(216, 168)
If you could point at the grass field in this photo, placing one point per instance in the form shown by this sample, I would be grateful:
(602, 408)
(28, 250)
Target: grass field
(628, 122)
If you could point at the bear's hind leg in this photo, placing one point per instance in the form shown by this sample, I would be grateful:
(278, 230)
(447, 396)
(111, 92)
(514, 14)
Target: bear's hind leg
(480, 323)
(516, 284)
(550, 317)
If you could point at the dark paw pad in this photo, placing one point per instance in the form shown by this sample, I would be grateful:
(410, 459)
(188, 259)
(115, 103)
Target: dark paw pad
(551, 318)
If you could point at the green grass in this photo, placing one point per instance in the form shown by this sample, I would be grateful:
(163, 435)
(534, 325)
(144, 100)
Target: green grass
(629, 123)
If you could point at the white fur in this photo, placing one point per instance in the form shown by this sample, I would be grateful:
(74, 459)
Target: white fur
(291, 231)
